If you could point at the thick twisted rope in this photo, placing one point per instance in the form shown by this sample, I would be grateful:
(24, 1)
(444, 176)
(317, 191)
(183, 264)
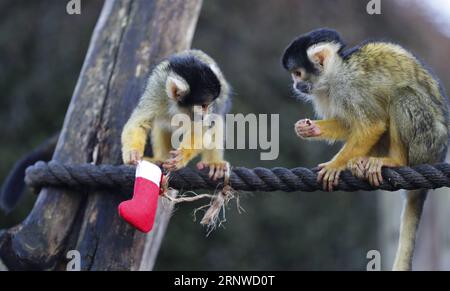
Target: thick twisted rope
(258, 179)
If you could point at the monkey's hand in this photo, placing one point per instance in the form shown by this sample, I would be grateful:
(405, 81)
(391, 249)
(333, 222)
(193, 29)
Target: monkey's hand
(306, 128)
(131, 157)
(217, 169)
(329, 175)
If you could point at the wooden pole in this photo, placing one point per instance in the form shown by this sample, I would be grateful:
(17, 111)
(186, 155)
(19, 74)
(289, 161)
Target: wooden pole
(131, 36)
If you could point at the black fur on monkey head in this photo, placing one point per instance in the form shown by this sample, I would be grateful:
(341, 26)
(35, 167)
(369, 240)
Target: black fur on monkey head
(295, 55)
(203, 85)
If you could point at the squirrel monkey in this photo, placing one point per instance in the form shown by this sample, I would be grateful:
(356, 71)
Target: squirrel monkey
(382, 102)
(187, 79)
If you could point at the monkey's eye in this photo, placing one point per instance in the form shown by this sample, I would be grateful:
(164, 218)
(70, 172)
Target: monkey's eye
(298, 74)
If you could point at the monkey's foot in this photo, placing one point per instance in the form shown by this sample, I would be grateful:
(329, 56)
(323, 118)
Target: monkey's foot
(306, 128)
(217, 170)
(329, 175)
(175, 162)
(373, 169)
(358, 167)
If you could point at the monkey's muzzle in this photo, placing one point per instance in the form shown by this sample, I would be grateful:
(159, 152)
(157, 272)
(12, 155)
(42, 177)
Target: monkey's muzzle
(304, 87)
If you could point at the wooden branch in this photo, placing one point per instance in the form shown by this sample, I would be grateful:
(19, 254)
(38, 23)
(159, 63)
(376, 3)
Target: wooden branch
(130, 37)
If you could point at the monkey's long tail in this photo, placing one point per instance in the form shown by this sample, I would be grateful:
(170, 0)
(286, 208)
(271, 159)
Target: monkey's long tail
(411, 214)
(13, 187)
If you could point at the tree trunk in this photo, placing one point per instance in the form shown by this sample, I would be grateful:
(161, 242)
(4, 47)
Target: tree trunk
(131, 36)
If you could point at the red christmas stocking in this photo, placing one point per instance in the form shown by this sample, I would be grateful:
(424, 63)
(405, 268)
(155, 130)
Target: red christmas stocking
(141, 210)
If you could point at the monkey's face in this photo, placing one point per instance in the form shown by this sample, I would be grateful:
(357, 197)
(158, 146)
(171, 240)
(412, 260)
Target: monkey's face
(308, 57)
(189, 98)
(301, 81)
(323, 59)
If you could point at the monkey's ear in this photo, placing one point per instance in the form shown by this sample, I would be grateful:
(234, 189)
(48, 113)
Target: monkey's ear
(322, 53)
(176, 87)
(321, 57)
